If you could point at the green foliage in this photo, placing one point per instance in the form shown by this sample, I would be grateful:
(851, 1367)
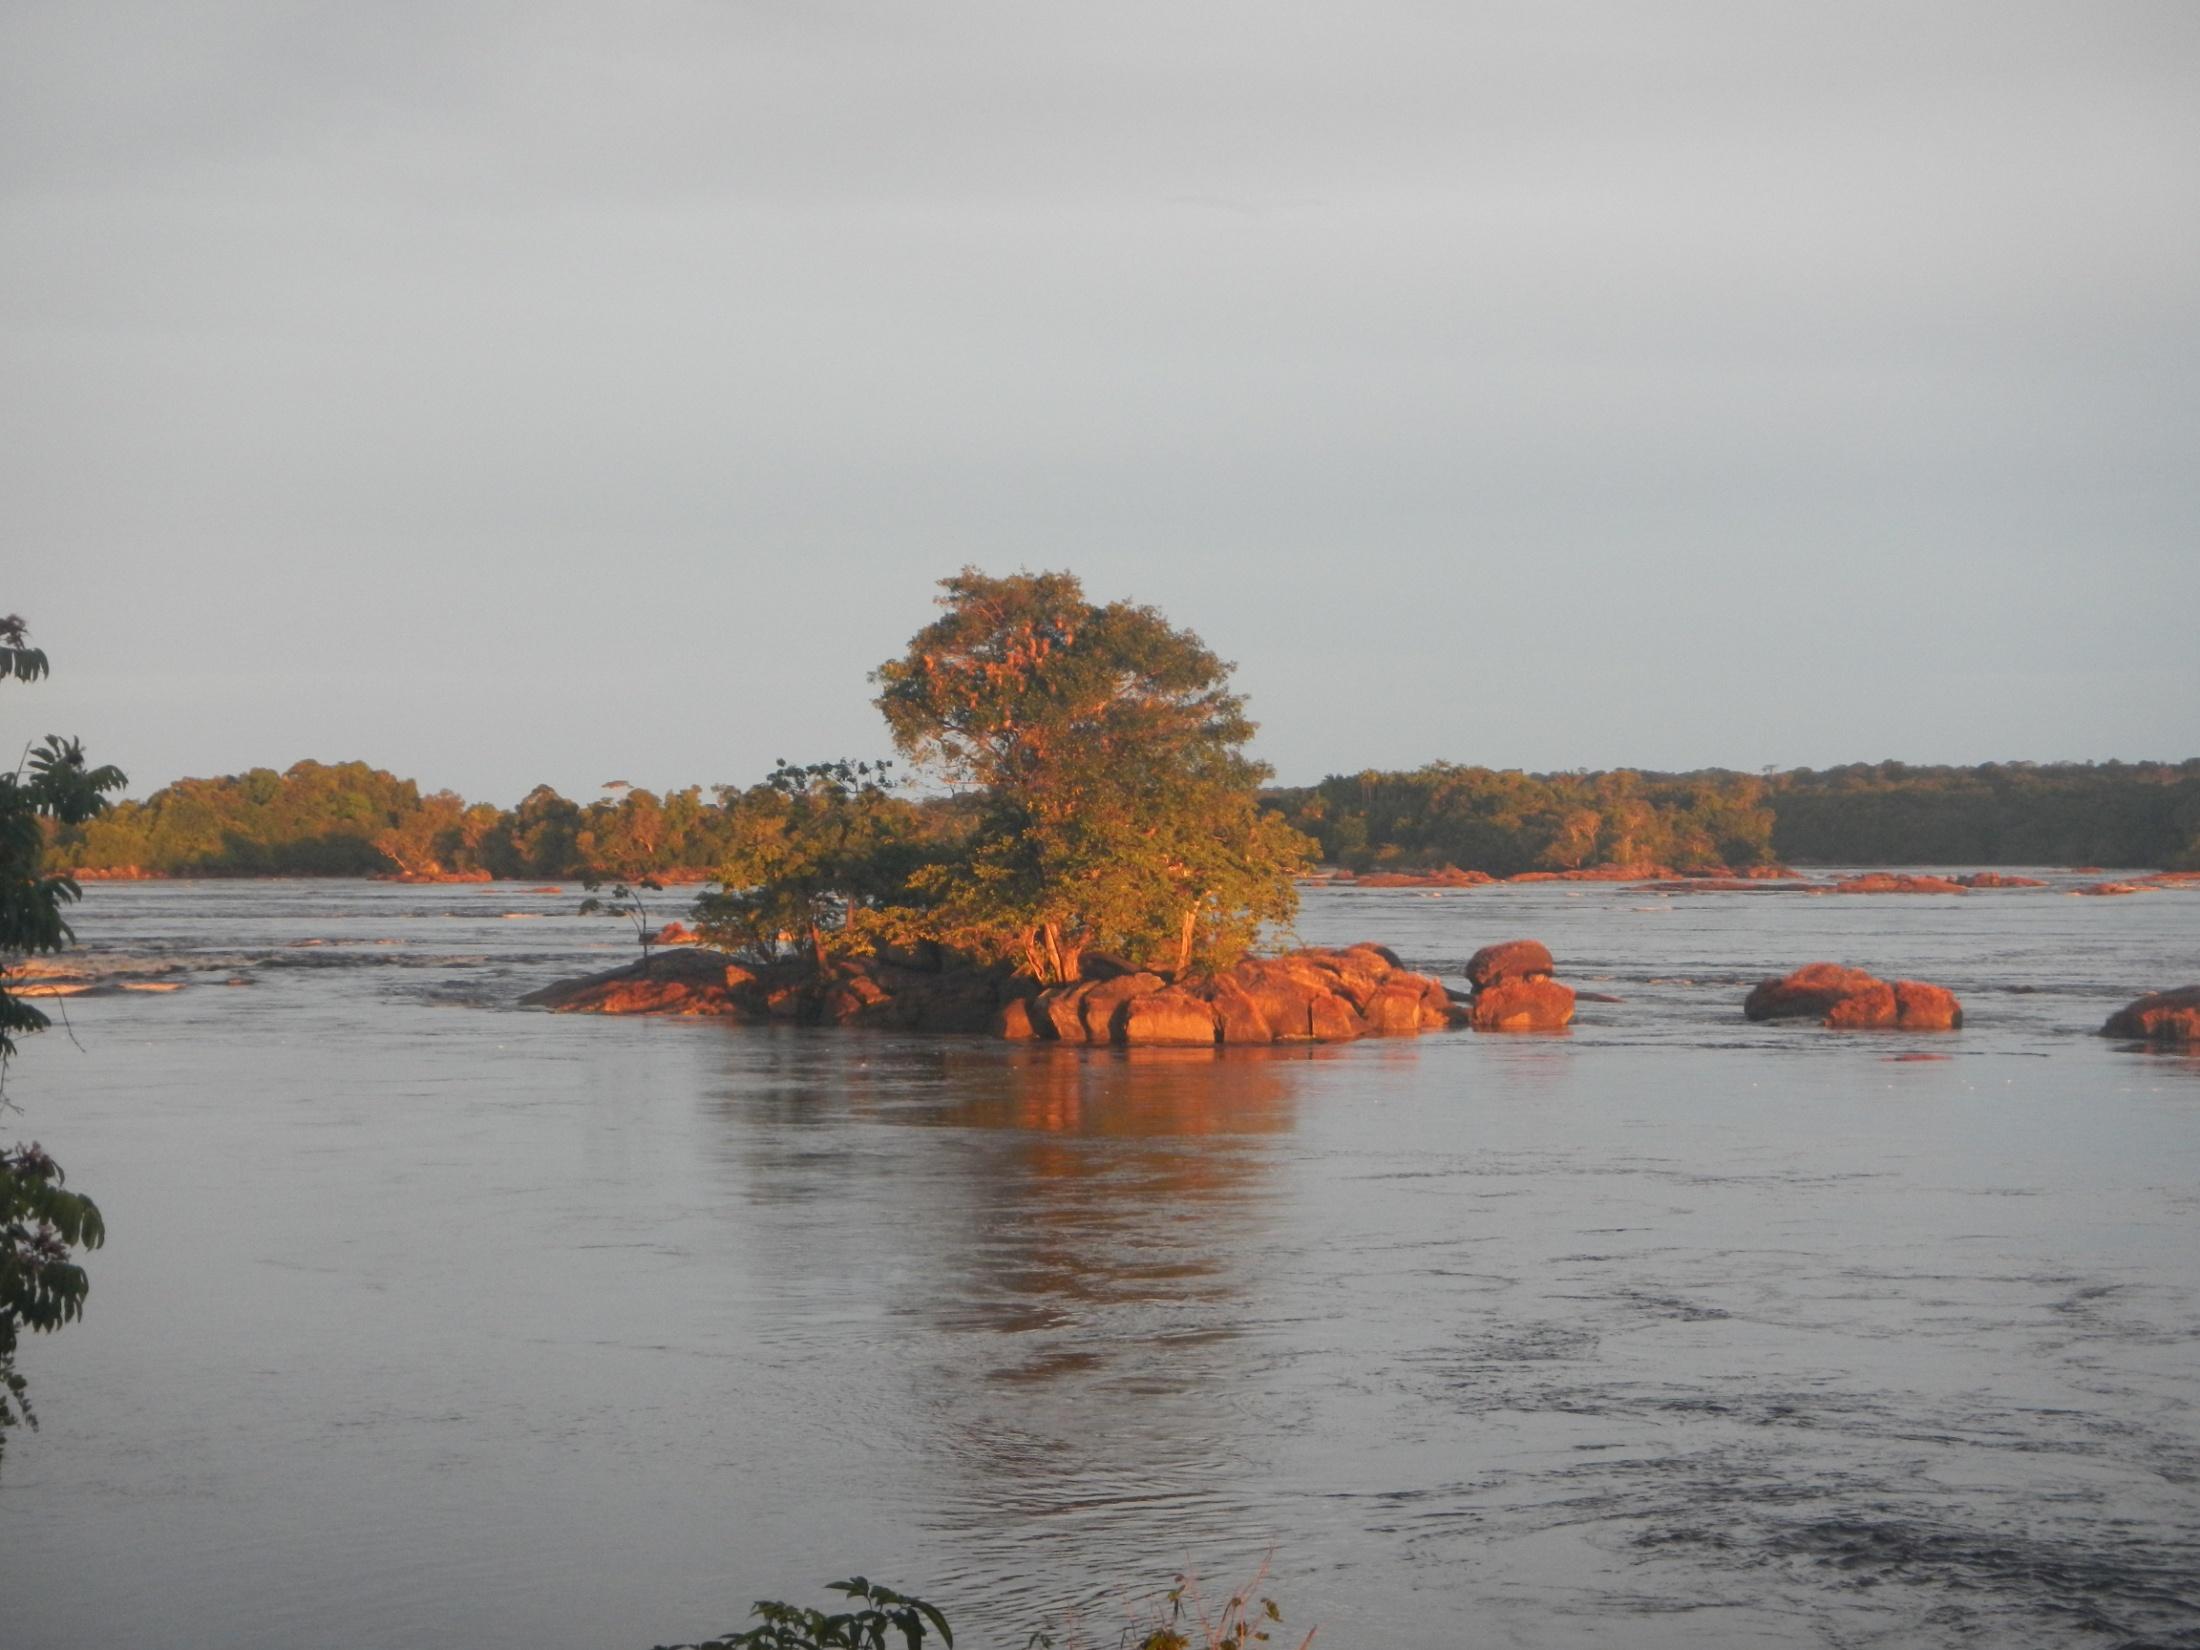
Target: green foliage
(2000, 813)
(819, 856)
(1118, 809)
(623, 863)
(885, 1618)
(1505, 821)
(41, 1223)
(41, 1287)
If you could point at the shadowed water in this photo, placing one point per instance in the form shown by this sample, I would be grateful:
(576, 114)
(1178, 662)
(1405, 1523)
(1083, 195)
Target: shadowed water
(424, 1321)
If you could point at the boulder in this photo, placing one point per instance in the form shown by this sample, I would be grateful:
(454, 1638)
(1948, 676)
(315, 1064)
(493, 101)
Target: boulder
(1849, 999)
(677, 982)
(1809, 993)
(1171, 1015)
(1539, 1003)
(2110, 888)
(963, 1001)
(1100, 1008)
(2164, 1017)
(1998, 879)
(1238, 1018)
(1332, 1019)
(1922, 1007)
(1013, 1022)
(850, 998)
(1508, 960)
(1056, 1010)
(1283, 995)
(1393, 1009)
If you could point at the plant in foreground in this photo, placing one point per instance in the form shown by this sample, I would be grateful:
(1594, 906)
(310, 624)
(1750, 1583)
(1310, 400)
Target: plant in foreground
(792, 1627)
(1182, 1622)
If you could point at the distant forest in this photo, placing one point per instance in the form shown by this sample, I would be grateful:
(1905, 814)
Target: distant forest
(1886, 813)
(347, 819)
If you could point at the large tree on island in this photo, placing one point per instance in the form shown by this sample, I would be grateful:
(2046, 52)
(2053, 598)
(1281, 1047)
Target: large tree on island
(1120, 812)
(41, 1224)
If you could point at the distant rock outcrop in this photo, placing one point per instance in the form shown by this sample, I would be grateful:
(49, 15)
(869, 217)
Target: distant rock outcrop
(1514, 991)
(1999, 879)
(1316, 995)
(2171, 1017)
(1888, 882)
(1848, 999)
(1448, 876)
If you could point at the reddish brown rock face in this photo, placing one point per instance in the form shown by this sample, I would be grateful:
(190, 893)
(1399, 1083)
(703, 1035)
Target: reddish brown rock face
(677, 982)
(1868, 1008)
(1848, 999)
(1393, 1009)
(1508, 960)
(1998, 879)
(1103, 1003)
(1540, 1004)
(2170, 1017)
(1922, 1007)
(1882, 882)
(1237, 1014)
(1807, 994)
(1171, 1015)
(1057, 1012)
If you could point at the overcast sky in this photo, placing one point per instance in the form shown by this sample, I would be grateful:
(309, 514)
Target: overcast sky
(574, 392)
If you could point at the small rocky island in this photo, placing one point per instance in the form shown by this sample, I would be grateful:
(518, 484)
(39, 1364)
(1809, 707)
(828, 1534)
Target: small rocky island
(1314, 995)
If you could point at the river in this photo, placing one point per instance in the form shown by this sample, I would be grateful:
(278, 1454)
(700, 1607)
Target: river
(428, 1321)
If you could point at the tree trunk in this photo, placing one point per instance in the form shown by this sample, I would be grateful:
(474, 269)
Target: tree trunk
(1184, 940)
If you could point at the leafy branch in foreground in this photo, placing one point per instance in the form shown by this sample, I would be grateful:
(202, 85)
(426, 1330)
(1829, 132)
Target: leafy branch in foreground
(793, 1627)
(1181, 1621)
(41, 1288)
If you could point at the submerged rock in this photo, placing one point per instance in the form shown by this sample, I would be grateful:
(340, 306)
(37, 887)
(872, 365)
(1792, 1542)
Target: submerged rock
(1849, 999)
(2163, 1017)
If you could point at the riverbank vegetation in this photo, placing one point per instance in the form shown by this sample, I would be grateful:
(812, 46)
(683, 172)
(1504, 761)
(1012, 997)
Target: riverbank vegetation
(349, 819)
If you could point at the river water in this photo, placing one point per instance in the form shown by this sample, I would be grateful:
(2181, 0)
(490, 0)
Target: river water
(427, 1321)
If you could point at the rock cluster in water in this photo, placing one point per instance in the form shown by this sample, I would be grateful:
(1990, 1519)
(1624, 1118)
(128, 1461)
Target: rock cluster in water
(1313, 995)
(1848, 999)
(2163, 1017)
(1514, 991)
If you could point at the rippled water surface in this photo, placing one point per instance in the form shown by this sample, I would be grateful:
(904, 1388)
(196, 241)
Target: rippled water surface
(424, 1321)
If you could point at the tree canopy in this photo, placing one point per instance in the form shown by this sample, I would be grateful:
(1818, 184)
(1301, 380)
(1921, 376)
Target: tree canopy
(1118, 810)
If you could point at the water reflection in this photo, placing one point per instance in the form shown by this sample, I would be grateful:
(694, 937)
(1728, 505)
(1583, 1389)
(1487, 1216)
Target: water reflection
(1083, 1242)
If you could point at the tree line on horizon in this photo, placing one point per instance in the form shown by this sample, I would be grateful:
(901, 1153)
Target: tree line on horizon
(350, 819)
